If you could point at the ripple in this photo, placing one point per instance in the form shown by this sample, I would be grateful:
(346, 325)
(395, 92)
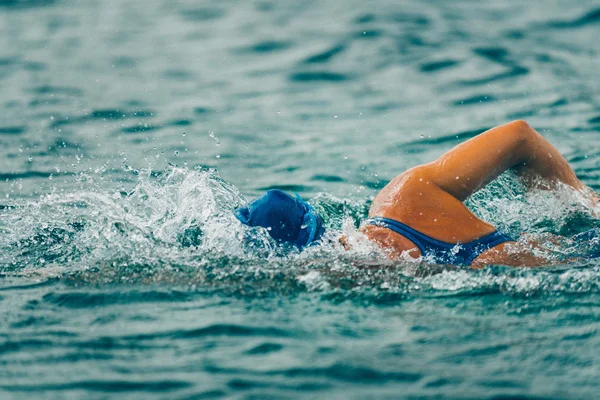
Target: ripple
(47, 101)
(57, 90)
(93, 300)
(246, 384)
(209, 394)
(34, 285)
(125, 62)
(202, 110)
(108, 386)
(476, 352)
(478, 99)
(16, 4)
(8, 61)
(12, 130)
(365, 18)
(319, 77)
(421, 145)
(102, 115)
(232, 330)
(325, 56)
(409, 18)
(155, 339)
(496, 54)
(265, 348)
(139, 128)
(120, 114)
(369, 34)
(352, 373)
(202, 14)
(581, 336)
(268, 46)
(328, 178)
(181, 122)
(435, 66)
(32, 174)
(24, 345)
(591, 17)
(179, 74)
(513, 72)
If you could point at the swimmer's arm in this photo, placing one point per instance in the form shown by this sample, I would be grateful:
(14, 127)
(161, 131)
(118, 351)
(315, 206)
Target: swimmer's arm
(473, 164)
(529, 251)
(511, 254)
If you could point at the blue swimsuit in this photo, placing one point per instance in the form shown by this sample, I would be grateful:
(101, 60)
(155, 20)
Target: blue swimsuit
(442, 252)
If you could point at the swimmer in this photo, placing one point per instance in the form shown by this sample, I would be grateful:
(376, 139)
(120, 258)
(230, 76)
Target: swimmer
(421, 211)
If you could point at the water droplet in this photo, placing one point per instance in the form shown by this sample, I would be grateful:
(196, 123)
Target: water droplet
(218, 156)
(176, 152)
(422, 136)
(183, 134)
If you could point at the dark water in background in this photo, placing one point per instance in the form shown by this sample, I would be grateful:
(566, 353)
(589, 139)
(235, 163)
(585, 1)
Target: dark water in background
(122, 282)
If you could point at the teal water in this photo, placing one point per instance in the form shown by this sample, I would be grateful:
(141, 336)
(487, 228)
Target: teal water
(131, 129)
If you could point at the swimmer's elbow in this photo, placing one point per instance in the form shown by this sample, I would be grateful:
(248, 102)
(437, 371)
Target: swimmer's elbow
(521, 130)
(521, 138)
(520, 124)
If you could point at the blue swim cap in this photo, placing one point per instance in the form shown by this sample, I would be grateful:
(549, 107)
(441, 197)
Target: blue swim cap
(288, 219)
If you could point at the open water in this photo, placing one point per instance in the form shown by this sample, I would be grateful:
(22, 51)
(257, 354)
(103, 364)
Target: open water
(129, 130)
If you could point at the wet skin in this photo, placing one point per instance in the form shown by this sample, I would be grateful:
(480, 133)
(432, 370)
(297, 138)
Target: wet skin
(429, 197)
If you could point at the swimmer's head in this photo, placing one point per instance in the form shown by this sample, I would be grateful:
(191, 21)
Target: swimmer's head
(286, 218)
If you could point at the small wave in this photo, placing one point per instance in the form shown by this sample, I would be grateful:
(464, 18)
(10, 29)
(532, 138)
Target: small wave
(232, 330)
(92, 300)
(325, 56)
(336, 371)
(435, 66)
(423, 144)
(103, 115)
(12, 130)
(269, 46)
(320, 76)
(265, 348)
(106, 386)
(591, 17)
(32, 174)
(202, 14)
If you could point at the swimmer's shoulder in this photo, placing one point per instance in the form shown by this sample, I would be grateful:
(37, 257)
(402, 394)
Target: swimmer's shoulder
(413, 187)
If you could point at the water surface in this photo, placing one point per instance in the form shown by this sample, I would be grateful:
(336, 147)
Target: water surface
(130, 130)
